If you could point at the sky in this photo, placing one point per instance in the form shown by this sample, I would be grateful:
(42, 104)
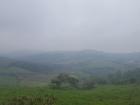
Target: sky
(54, 25)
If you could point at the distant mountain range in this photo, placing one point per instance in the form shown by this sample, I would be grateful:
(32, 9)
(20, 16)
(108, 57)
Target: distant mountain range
(38, 69)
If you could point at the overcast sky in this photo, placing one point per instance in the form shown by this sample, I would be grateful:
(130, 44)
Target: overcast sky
(49, 25)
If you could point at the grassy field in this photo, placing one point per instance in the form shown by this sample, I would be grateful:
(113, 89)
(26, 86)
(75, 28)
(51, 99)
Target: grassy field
(101, 95)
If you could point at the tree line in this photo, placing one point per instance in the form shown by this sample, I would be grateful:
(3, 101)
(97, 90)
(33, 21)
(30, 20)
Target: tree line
(65, 80)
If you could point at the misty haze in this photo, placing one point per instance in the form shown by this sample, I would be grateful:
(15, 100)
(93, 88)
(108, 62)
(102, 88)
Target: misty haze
(69, 52)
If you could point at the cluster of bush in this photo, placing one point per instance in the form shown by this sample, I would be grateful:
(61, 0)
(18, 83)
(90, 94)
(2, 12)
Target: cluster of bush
(68, 81)
(128, 77)
(28, 100)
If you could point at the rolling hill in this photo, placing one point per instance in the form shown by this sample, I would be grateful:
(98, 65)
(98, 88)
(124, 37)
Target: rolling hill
(38, 69)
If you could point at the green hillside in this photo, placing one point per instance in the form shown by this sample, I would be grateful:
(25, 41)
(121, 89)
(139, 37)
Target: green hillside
(39, 69)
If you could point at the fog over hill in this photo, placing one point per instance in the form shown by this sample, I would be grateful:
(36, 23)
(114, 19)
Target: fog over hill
(40, 68)
(41, 38)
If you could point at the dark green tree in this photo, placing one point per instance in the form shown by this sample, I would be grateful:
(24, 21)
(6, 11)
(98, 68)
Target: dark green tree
(64, 79)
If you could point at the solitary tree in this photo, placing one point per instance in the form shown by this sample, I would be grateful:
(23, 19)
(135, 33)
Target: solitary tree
(63, 79)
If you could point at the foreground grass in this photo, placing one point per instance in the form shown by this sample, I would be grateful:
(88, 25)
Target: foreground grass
(102, 95)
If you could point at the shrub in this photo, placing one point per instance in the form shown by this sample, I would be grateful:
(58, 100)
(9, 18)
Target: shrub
(28, 100)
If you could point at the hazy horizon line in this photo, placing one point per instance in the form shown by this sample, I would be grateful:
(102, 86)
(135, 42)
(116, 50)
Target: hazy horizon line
(61, 51)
